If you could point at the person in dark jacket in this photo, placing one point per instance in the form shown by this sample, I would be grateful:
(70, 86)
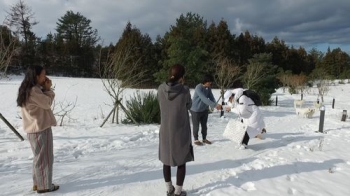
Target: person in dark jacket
(175, 145)
(202, 99)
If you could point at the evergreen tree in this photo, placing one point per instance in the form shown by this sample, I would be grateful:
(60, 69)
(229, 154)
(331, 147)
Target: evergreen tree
(160, 53)
(315, 58)
(247, 45)
(46, 52)
(187, 46)
(220, 44)
(295, 60)
(260, 76)
(220, 40)
(336, 62)
(244, 51)
(143, 51)
(279, 51)
(79, 39)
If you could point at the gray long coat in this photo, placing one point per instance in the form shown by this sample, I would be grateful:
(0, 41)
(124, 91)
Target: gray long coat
(175, 145)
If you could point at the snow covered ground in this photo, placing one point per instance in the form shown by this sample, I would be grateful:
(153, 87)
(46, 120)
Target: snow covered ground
(122, 160)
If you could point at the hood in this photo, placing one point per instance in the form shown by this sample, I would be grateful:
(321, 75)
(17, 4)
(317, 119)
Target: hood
(238, 93)
(227, 96)
(236, 90)
(172, 90)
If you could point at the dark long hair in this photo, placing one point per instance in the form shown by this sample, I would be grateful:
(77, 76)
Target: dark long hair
(176, 72)
(27, 84)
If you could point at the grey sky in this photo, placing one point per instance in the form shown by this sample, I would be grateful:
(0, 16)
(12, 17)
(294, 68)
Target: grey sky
(306, 23)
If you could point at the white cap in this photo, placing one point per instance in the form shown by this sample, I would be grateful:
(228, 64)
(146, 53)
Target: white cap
(227, 95)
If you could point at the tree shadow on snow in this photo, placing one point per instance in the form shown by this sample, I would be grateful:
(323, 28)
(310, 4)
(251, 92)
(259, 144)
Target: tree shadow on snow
(80, 184)
(213, 166)
(283, 103)
(280, 139)
(279, 136)
(191, 169)
(268, 173)
(276, 113)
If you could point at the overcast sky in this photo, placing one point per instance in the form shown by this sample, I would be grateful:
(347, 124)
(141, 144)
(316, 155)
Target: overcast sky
(306, 23)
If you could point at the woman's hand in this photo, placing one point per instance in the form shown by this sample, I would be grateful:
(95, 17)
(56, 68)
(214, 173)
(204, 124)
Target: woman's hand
(47, 84)
(218, 107)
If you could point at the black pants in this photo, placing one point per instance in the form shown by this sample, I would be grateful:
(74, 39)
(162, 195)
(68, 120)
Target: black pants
(199, 118)
(245, 139)
(180, 174)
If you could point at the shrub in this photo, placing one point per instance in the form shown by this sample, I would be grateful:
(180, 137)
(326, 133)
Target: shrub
(265, 98)
(310, 84)
(144, 108)
(292, 90)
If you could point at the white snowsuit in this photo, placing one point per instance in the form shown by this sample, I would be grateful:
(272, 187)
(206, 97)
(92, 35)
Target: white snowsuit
(249, 112)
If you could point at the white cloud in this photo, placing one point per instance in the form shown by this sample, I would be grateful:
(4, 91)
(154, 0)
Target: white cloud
(298, 21)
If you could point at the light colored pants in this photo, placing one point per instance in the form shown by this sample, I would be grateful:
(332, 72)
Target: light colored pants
(42, 147)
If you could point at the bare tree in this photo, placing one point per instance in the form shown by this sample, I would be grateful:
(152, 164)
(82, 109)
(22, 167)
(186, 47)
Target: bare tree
(258, 69)
(21, 17)
(65, 108)
(322, 80)
(323, 87)
(301, 83)
(7, 49)
(297, 82)
(226, 73)
(119, 72)
(254, 74)
(284, 77)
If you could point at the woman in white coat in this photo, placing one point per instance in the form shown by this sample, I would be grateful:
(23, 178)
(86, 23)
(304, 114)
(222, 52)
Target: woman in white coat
(248, 111)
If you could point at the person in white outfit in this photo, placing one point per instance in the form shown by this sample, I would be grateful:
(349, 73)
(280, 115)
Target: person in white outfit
(248, 111)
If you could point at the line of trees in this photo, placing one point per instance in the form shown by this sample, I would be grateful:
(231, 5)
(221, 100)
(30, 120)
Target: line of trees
(75, 49)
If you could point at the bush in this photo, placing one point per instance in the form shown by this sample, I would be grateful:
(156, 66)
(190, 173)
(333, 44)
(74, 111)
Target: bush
(292, 90)
(265, 98)
(144, 108)
(310, 84)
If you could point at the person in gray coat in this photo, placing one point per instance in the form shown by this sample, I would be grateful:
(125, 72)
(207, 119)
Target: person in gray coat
(175, 145)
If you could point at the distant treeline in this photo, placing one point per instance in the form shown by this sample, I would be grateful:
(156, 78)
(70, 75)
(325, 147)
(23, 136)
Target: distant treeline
(75, 49)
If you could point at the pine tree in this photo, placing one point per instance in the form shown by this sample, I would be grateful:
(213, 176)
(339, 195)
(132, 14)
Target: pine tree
(79, 40)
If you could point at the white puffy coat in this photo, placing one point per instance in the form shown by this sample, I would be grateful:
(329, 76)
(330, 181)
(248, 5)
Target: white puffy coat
(250, 114)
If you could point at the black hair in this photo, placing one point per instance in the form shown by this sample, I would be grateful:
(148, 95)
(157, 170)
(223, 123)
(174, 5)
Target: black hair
(176, 72)
(28, 82)
(207, 78)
